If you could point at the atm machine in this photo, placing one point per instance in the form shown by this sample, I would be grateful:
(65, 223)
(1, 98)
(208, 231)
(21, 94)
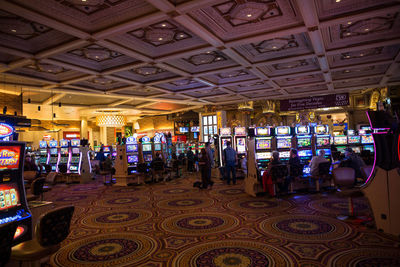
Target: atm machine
(53, 158)
(132, 154)
(75, 157)
(240, 141)
(322, 140)
(13, 204)
(64, 153)
(146, 150)
(263, 146)
(43, 154)
(225, 135)
(304, 146)
(283, 142)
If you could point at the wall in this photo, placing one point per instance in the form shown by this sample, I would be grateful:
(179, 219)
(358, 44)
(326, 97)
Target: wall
(150, 125)
(12, 102)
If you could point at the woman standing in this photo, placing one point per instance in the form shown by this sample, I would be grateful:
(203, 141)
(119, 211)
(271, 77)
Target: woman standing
(205, 166)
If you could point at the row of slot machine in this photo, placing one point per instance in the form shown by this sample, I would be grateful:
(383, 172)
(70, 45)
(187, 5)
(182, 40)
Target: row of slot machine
(107, 150)
(56, 153)
(238, 141)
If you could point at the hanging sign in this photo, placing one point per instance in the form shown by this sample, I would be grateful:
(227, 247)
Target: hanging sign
(314, 102)
(5, 130)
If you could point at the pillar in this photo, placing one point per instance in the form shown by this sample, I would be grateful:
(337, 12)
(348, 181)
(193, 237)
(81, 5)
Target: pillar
(103, 135)
(84, 128)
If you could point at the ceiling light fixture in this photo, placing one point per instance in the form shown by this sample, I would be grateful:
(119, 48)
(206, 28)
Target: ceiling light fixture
(160, 39)
(338, 1)
(249, 15)
(13, 30)
(163, 25)
(349, 22)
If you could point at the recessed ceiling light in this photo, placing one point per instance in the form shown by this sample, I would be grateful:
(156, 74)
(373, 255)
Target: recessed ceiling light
(347, 71)
(83, 0)
(219, 58)
(338, 1)
(349, 33)
(274, 47)
(249, 15)
(366, 29)
(163, 25)
(361, 55)
(347, 56)
(182, 35)
(349, 22)
(13, 30)
(160, 39)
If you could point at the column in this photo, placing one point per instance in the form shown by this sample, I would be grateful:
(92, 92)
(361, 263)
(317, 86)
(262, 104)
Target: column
(103, 135)
(84, 128)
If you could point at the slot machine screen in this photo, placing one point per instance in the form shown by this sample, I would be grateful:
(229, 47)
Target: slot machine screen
(133, 159)
(148, 157)
(75, 142)
(75, 150)
(264, 155)
(321, 129)
(327, 151)
(306, 170)
(305, 153)
(73, 168)
(263, 144)
(357, 149)
(367, 139)
(43, 152)
(341, 149)
(340, 140)
(9, 157)
(53, 168)
(131, 148)
(195, 129)
(323, 141)
(75, 160)
(96, 149)
(53, 151)
(53, 143)
(107, 149)
(263, 131)
(157, 147)
(284, 154)
(303, 142)
(224, 141)
(284, 143)
(240, 131)
(302, 130)
(64, 143)
(282, 130)
(9, 196)
(64, 151)
(146, 147)
(241, 145)
(225, 131)
(370, 148)
(353, 139)
(43, 144)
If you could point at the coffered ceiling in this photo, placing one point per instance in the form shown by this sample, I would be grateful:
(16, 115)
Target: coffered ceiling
(159, 56)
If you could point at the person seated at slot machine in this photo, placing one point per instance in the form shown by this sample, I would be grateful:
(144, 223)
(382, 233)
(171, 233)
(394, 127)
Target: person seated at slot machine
(157, 158)
(100, 155)
(315, 161)
(353, 161)
(30, 165)
(266, 178)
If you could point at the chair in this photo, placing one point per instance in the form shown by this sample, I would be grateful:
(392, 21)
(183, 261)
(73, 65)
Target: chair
(157, 169)
(51, 230)
(142, 171)
(36, 189)
(47, 168)
(323, 174)
(63, 169)
(295, 172)
(106, 172)
(344, 179)
(366, 171)
(7, 232)
(278, 174)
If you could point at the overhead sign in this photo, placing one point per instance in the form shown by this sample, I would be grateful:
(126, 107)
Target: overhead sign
(5, 130)
(314, 102)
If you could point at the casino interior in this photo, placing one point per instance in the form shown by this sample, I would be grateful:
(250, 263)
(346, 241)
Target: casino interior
(123, 121)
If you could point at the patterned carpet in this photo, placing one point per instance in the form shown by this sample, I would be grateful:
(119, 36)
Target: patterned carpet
(174, 224)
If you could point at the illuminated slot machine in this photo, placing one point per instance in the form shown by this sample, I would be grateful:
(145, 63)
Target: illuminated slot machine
(283, 142)
(96, 150)
(340, 142)
(322, 140)
(200, 146)
(75, 157)
(53, 158)
(13, 204)
(240, 144)
(304, 148)
(367, 141)
(107, 150)
(147, 150)
(132, 154)
(43, 154)
(263, 146)
(114, 152)
(354, 141)
(64, 152)
(157, 146)
(225, 135)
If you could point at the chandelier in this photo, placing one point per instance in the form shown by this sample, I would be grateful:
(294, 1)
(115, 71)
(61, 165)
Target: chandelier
(109, 120)
(268, 107)
(246, 106)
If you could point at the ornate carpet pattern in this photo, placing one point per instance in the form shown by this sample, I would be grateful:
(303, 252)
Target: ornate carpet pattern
(174, 224)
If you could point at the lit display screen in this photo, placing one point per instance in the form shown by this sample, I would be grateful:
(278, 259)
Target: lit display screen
(264, 155)
(9, 157)
(305, 153)
(133, 159)
(284, 154)
(53, 143)
(225, 131)
(75, 150)
(263, 144)
(354, 139)
(302, 130)
(241, 145)
(64, 151)
(263, 131)
(43, 144)
(195, 129)
(282, 130)
(131, 148)
(64, 143)
(321, 129)
(146, 147)
(131, 140)
(341, 149)
(96, 149)
(240, 130)
(327, 151)
(356, 149)
(106, 149)
(75, 142)
(323, 141)
(224, 141)
(148, 157)
(53, 151)
(73, 168)
(284, 143)
(340, 140)
(157, 147)
(370, 148)
(367, 139)
(303, 142)
(8, 196)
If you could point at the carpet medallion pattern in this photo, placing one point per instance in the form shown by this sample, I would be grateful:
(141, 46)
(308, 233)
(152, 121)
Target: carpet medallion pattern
(173, 224)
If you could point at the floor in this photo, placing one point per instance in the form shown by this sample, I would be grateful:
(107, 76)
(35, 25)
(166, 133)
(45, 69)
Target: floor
(173, 224)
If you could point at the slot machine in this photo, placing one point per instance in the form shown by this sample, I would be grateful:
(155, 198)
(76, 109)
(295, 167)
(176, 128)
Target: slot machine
(96, 150)
(304, 147)
(157, 146)
(340, 142)
(113, 152)
(367, 141)
(322, 140)
(53, 155)
(132, 154)
(107, 150)
(75, 157)
(64, 152)
(43, 155)
(263, 146)
(240, 141)
(200, 146)
(354, 141)
(225, 135)
(283, 139)
(13, 204)
(147, 151)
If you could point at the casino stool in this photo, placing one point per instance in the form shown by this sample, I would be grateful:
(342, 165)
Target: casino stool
(296, 173)
(51, 230)
(323, 174)
(7, 232)
(142, 172)
(278, 175)
(63, 169)
(36, 190)
(158, 170)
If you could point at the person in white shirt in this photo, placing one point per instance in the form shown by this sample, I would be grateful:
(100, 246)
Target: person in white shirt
(315, 161)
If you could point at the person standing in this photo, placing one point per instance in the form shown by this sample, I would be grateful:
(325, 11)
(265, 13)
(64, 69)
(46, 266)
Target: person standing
(230, 158)
(205, 166)
(210, 159)
(190, 159)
